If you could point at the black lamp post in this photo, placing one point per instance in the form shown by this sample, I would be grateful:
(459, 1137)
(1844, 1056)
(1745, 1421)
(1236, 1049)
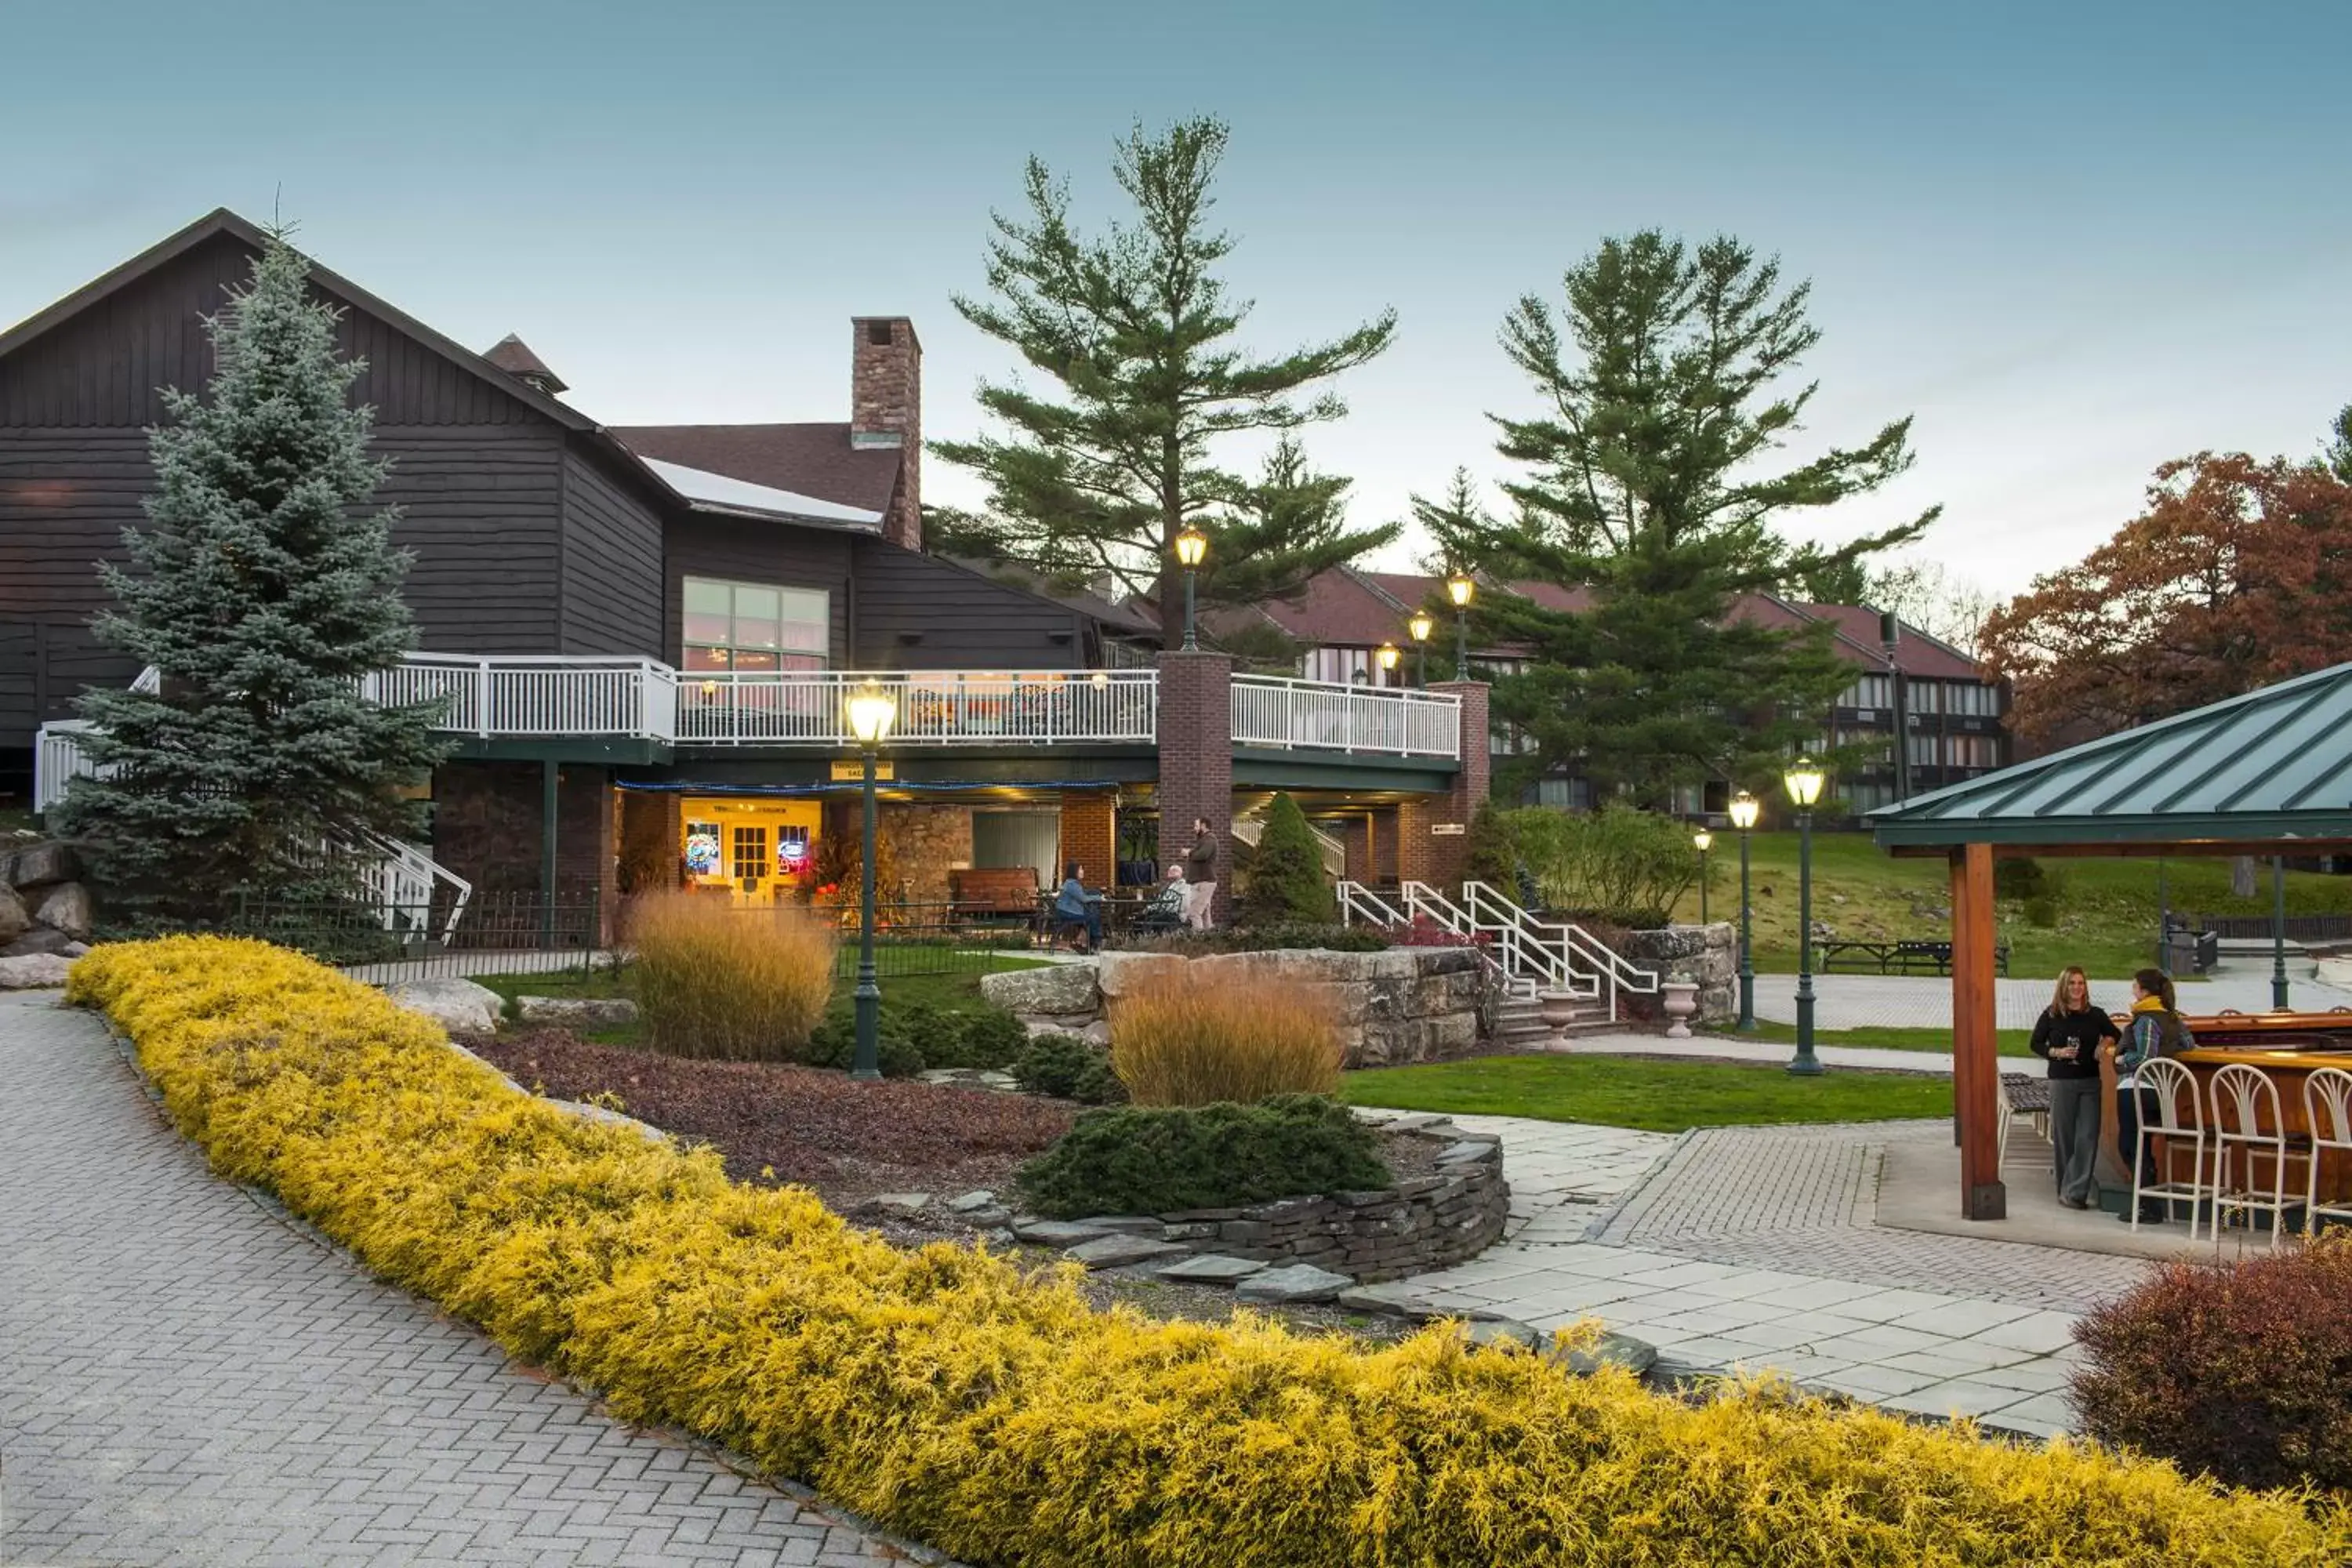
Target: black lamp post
(1705, 841)
(871, 712)
(1804, 781)
(1386, 656)
(1421, 626)
(2278, 933)
(1744, 809)
(1191, 545)
(1459, 588)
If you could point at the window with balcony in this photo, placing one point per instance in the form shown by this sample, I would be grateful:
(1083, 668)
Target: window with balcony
(755, 628)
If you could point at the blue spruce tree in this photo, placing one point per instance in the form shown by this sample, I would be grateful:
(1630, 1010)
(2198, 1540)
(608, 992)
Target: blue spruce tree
(263, 590)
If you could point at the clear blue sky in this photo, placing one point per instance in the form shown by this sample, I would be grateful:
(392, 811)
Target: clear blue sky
(2074, 240)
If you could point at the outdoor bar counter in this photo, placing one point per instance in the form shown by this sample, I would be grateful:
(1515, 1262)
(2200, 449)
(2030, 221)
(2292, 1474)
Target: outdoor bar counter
(2288, 1046)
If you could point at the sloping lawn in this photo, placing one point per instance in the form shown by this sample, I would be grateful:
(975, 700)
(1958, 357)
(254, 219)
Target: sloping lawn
(1653, 1096)
(2106, 908)
(2012, 1042)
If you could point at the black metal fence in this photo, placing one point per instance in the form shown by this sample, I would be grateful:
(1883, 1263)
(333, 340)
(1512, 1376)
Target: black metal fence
(530, 934)
(2257, 928)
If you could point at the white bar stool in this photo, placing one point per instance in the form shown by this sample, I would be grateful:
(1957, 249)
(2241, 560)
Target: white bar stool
(2175, 1088)
(2327, 1112)
(2244, 1098)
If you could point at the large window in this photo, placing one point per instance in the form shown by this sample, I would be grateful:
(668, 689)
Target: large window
(755, 628)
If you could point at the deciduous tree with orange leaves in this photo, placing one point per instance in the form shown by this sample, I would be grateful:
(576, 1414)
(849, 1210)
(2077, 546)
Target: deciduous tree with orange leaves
(2238, 573)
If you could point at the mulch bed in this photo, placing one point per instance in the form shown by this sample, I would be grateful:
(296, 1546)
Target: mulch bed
(848, 1141)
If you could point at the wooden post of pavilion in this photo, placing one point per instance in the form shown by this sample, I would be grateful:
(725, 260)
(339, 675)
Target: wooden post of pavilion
(1976, 1059)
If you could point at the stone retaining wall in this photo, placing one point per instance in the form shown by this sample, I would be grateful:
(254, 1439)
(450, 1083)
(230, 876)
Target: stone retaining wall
(1421, 1224)
(1404, 1005)
(1708, 954)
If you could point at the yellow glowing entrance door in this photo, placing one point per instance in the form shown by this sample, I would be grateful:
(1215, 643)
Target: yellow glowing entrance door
(753, 850)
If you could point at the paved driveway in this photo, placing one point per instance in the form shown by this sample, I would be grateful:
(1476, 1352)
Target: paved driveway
(185, 1378)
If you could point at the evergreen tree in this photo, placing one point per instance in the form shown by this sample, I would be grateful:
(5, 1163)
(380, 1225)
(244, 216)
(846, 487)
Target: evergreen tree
(2338, 453)
(1489, 855)
(1649, 485)
(263, 590)
(1137, 332)
(1286, 883)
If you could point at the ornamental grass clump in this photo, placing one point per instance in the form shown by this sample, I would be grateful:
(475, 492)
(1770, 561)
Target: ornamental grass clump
(716, 981)
(950, 1394)
(2243, 1370)
(1177, 1041)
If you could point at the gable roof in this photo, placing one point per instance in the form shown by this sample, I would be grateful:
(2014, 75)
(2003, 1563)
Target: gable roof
(2274, 764)
(1916, 652)
(220, 221)
(816, 460)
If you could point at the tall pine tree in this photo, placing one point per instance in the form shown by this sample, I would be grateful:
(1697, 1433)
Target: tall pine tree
(263, 590)
(1137, 332)
(1648, 482)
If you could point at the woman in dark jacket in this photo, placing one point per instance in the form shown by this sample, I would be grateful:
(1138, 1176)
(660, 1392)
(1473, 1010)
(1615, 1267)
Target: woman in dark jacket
(1073, 906)
(2067, 1036)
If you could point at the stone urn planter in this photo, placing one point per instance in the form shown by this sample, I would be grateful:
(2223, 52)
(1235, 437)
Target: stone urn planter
(1558, 1010)
(1682, 1001)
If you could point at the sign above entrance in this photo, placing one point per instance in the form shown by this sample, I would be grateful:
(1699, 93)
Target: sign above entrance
(854, 772)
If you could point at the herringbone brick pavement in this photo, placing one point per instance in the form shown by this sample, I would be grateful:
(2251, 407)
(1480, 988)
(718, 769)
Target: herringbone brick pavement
(185, 1378)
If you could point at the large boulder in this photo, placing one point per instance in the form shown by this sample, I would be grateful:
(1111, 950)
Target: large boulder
(66, 907)
(40, 865)
(34, 972)
(457, 1005)
(15, 919)
(1065, 990)
(601, 1012)
(41, 939)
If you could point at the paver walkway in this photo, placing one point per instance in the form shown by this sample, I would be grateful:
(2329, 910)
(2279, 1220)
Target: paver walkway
(1757, 1247)
(186, 1378)
(1925, 1000)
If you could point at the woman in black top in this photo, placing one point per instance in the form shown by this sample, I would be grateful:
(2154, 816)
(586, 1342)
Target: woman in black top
(2068, 1035)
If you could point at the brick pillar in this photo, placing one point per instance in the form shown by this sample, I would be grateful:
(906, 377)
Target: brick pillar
(1432, 841)
(651, 845)
(1090, 836)
(1196, 759)
(587, 859)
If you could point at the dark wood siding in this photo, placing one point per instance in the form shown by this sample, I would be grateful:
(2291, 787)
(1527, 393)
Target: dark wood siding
(612, 584)
(744, 551)
(916, 612)
(482, 510)
(104, 366)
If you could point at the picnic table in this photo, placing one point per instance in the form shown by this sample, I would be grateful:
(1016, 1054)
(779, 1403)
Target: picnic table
(1904, 956)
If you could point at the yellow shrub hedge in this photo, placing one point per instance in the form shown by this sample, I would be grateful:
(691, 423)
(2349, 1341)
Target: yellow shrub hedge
(1001, 1419)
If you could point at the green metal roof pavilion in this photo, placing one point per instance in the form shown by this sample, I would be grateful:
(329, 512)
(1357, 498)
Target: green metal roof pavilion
(2268, 772)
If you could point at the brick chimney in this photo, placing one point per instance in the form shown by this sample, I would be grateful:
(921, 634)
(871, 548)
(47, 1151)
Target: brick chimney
(886, 409)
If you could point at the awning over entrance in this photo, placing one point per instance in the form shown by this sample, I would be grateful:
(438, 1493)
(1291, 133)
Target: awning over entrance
(2266, 774)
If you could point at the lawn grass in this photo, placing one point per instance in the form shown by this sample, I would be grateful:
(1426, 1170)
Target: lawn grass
(1653, 1096)
(2108, 907)
(18, 819)
(2012, 1042)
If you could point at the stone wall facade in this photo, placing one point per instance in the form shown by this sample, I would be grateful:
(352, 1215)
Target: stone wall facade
(1420, 1224)
(926, 843)
(1708, 954)
(1405, 1004)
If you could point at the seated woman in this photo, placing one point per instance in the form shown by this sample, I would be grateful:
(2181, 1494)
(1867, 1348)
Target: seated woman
(1073, 906)
(2157, 1029)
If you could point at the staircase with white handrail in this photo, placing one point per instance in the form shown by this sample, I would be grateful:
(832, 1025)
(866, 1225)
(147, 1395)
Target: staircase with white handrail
(1531, 956)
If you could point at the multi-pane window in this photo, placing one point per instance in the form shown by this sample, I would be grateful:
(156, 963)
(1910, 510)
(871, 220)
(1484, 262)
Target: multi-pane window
(755, 628)
(1351, 667)
(1869, 692)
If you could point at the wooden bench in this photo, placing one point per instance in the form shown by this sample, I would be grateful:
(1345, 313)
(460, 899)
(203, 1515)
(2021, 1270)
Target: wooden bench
(995, 894)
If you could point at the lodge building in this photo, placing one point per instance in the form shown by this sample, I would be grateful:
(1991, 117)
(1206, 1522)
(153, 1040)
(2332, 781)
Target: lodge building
(642, 635)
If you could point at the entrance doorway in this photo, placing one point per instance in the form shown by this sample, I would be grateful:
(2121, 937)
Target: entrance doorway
(752, 851)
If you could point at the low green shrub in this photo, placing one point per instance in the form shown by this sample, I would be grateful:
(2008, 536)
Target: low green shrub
(1145, 1160)
(2042, 909)
(1266, 938)
(2241, 1370)
(1068, 1067)
(2018, 879)
(834, 1044)
(1623, 864)
(986, 1036)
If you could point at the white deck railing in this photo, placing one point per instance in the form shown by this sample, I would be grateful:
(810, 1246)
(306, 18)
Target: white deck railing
(1270, 710)
(497, 696)
(936, 707)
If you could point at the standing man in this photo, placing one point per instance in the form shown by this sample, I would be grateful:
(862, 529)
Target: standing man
(1201, 877)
